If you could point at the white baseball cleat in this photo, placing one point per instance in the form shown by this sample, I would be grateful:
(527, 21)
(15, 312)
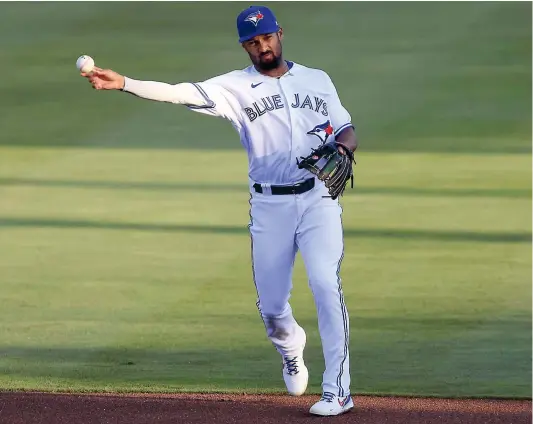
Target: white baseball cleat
(295, 374)
(329, 405)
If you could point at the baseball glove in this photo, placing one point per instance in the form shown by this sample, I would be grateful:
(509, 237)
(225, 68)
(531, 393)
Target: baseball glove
(330, 166)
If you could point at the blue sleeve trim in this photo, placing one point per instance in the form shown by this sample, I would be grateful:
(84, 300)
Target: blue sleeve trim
(343, 127)
(210, 103)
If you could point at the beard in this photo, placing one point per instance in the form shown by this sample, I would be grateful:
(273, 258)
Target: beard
(268, 61)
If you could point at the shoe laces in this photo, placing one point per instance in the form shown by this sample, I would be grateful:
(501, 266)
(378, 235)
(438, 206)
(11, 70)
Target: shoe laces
(291, 365)
(327, 397)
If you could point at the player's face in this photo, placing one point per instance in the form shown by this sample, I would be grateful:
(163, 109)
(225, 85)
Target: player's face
(265, 50)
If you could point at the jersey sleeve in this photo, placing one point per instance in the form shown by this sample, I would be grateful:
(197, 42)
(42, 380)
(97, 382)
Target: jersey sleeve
(340, 117)
(219, 101)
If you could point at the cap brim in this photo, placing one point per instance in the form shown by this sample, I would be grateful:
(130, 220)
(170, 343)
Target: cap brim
(262, 32)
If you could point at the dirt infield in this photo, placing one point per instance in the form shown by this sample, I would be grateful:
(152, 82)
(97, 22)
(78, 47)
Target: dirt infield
(30, 408)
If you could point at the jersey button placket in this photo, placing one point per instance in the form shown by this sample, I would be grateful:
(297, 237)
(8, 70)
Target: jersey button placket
(281, 82)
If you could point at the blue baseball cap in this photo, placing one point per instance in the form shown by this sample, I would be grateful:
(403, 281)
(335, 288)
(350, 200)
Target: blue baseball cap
(256, 20)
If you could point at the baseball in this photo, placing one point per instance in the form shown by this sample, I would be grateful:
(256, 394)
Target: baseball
(85, 63)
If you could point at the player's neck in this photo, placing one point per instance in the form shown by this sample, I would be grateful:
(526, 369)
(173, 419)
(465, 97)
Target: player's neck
(282, 69)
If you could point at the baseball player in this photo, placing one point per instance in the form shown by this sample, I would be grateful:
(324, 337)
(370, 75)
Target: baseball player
(300, 142)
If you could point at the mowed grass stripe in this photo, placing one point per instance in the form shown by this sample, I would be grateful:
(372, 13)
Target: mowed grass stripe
(490, 237)
(203, 186)
(161, 169)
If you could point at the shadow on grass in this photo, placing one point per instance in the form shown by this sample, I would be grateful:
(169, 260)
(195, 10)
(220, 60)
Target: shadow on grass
(150, 369)
(255, 367)
(192, 186)
(409, 234)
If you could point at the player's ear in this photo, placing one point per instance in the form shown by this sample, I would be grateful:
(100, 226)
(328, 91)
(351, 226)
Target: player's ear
(280, 33)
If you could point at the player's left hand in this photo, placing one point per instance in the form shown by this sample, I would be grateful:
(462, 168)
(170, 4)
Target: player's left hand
(342, 150)
(337, 167)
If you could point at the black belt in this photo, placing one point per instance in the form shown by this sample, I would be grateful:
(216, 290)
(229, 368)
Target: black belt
(294, 189)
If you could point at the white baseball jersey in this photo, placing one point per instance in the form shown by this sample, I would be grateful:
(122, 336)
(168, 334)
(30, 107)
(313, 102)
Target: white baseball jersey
(278, 119)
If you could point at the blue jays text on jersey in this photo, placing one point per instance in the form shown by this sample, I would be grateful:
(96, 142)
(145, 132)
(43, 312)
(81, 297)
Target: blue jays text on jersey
(270, 103)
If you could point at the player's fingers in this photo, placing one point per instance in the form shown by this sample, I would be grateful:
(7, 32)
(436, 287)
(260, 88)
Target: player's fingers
(104, 85)
(100, 72)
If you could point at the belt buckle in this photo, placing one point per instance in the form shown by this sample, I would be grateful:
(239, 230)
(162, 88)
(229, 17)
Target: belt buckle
(295, 186)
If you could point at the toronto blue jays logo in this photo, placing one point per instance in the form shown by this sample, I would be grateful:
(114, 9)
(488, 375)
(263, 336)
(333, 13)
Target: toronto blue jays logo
(254, 18)
(322, 131)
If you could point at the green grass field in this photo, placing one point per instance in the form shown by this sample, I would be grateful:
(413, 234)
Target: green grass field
(124, 251)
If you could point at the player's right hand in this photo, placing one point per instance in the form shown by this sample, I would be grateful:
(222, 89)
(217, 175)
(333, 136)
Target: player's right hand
(104, 79)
